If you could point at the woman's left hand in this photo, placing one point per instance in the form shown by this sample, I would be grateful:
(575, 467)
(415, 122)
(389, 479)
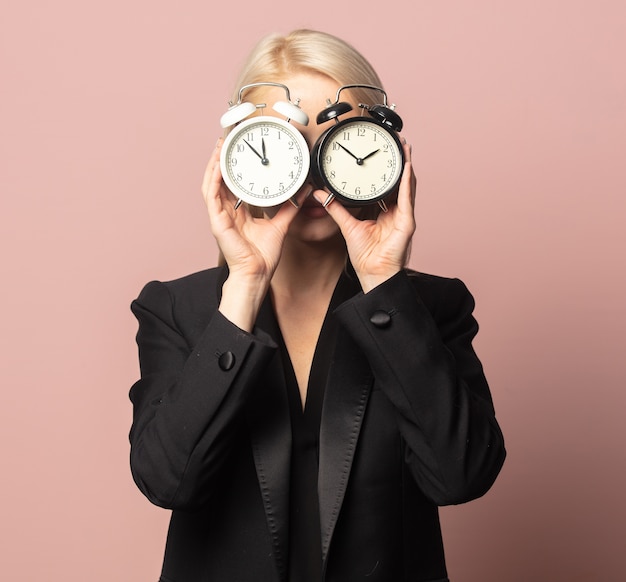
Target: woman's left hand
(379, 248)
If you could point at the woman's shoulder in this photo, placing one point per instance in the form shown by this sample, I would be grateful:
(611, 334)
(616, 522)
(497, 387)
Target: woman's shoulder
(187, 293)
(199, 281)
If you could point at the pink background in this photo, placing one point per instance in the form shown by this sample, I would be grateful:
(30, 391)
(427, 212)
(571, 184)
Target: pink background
(517, 115)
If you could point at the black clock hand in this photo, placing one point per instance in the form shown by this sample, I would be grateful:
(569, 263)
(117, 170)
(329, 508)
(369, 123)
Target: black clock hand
(370, 154)
(263, 159)
(359, 161)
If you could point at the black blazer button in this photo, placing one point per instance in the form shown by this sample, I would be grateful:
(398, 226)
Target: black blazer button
(380, 319)
(226, 361)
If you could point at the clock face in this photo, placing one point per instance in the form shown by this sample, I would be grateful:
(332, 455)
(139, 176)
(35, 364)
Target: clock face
(359, 160)
(264, 161)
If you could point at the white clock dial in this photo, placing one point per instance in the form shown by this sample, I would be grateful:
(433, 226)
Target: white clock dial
(264, 161)
(361, 160)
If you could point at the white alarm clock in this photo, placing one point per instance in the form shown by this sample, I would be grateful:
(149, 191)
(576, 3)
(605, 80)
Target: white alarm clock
(265, 160)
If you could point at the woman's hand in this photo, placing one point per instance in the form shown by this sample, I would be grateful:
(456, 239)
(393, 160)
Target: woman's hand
(379, 248)
(251, 246)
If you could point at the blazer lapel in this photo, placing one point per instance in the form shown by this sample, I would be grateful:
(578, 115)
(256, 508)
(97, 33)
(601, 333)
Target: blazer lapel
(345, 400)
(270, 432)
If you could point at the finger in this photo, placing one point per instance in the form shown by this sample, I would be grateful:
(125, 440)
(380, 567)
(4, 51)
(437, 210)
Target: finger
(413, 177)
(288, 210)
(338, 212)
(213, 193)
(406, 192)
(210, 168)
(216, 195)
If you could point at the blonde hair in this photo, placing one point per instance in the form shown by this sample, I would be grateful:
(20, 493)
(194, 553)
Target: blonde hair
(309, 51)
(276, 57)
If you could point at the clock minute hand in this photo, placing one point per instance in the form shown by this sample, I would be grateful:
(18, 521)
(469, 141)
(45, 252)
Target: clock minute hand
(359, 161)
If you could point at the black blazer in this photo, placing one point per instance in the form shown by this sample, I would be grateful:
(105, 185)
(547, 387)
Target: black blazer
(407, 424)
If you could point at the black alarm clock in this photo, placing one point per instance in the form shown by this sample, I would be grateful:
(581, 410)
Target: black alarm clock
(359, 160)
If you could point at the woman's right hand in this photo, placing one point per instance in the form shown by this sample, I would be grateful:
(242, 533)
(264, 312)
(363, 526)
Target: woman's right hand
(251, 246)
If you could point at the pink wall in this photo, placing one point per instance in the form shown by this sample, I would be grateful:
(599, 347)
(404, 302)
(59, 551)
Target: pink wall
(517, 114)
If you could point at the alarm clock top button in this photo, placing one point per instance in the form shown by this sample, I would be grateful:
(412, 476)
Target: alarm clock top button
(387, 116)
(333, 112)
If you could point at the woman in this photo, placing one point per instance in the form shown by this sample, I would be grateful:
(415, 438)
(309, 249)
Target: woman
(304, 408)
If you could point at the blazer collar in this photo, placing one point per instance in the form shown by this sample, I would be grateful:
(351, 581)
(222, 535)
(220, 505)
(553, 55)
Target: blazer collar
(345, 400)
(270, 434)
(347, 392)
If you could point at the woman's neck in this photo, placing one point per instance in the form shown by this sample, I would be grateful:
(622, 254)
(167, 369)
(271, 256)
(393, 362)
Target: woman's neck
(309, 268)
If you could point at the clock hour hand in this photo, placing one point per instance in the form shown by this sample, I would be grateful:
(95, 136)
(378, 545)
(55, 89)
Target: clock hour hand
(370, 154)
(263, 159)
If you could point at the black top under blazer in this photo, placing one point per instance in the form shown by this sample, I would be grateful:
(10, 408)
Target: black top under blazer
(407, 425)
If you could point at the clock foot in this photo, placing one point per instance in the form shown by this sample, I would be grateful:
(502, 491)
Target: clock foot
(328, 200)
(383, 206)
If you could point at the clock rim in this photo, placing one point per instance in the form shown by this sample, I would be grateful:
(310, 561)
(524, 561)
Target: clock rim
(320, 176)
(232, 186)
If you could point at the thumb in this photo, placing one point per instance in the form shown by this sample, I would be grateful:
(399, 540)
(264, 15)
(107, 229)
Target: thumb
(337, 211)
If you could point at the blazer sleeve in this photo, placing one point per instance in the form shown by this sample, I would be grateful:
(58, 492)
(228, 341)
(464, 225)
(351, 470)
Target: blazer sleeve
(424, 362)
(188, 404)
